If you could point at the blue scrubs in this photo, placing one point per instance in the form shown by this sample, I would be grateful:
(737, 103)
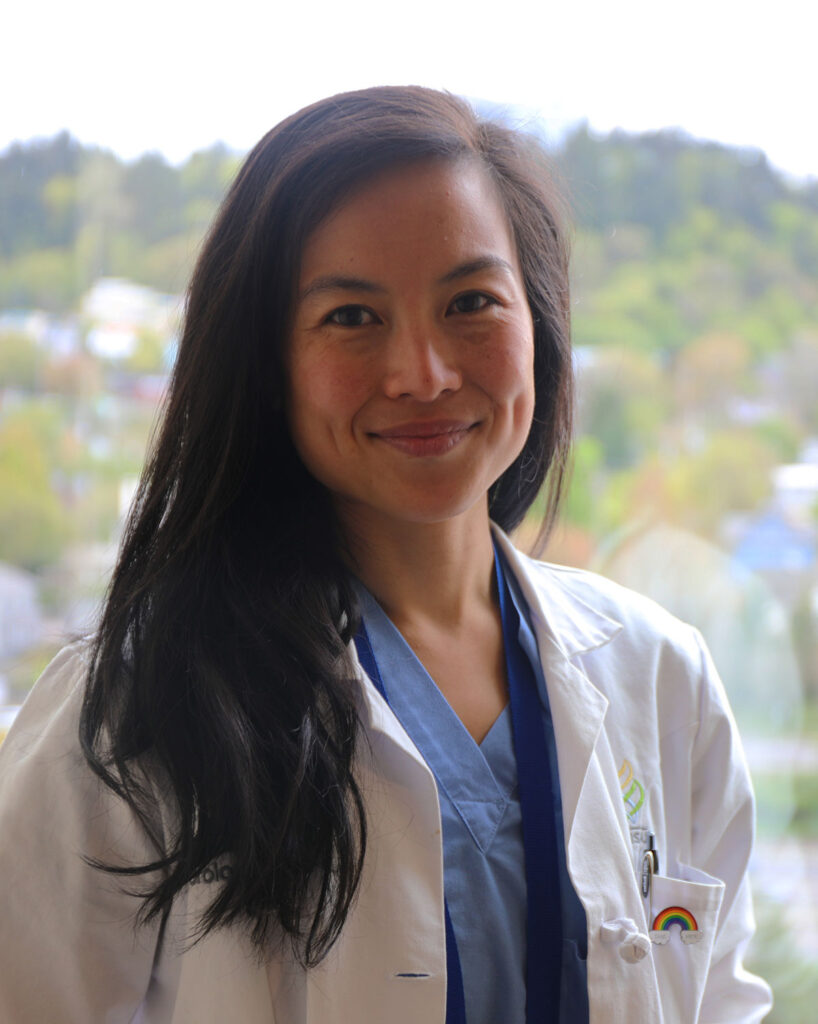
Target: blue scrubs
(483, 853)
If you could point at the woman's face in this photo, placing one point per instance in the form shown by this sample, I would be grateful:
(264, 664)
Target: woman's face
(410, 361)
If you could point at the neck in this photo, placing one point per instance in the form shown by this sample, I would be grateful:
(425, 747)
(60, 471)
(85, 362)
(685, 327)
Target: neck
(434, 572)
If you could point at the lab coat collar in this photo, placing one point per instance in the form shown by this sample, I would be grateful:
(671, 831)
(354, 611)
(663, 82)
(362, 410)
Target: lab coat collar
(569, 623)
(376, 715)
(572, 624)
(565, 626)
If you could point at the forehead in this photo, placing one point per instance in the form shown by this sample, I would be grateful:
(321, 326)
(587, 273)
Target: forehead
(435, 211)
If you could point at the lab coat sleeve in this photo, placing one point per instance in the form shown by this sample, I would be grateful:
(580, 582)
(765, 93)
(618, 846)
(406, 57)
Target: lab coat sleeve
(69, 951)
(723, 816)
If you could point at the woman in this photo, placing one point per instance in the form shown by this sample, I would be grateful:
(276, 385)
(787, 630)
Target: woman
(273, 813)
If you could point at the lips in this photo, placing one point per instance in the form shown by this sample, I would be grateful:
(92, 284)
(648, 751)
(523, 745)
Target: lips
(425, 437)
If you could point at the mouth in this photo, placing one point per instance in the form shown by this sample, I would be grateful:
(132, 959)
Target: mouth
(425, 437)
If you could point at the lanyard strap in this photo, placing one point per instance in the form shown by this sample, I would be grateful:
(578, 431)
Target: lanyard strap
(537, 801)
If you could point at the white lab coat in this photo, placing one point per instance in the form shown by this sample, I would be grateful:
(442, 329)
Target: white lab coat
(645, 742)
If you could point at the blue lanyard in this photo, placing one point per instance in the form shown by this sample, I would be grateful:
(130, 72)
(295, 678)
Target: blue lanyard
(537, 800)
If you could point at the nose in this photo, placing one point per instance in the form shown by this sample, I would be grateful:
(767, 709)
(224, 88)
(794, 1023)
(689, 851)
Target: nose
(421, 364)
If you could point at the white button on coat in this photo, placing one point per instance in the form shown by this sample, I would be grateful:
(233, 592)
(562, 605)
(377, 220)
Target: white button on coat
(633, 945)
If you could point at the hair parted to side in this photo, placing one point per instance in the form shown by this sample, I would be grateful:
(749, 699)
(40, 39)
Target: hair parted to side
(220, 659)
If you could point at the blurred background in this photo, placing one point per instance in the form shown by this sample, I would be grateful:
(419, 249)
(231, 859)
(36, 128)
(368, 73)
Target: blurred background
(682, 137)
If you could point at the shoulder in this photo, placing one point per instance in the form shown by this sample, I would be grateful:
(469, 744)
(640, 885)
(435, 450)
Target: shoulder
(46, 782)
(646, 662)
(49, 718)
(584, 608)
(58, 820)
(609, 597)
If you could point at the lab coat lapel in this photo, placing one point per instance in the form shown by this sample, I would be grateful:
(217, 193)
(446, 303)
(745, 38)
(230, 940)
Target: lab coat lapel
(564, 628)
(392, 949)
(597, 847)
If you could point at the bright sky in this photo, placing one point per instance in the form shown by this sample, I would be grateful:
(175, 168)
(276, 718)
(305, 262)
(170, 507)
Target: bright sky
(177, 75)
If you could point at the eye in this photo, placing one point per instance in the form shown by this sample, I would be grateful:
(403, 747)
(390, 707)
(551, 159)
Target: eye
(351, 316)
(472, 302)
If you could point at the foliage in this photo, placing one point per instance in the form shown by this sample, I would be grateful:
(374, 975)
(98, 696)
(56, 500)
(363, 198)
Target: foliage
(793, 375)
(21, 361)
(624, 400)
(32, 524)
(730, 474)
(579, 507)
(674, 236)
(775, 957)
(695, 289)
(31, 215)
(654, 178)
(781, 436)
(70, 214)
(787, 803)
(805, 642)
(149, 354)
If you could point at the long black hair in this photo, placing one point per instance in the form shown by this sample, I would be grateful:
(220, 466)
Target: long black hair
(220, 659)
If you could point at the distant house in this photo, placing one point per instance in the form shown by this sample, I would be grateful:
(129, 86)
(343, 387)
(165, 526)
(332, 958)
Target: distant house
(21, 621)
(780, 542)
(117, 310)
(33, 323)
(739, 612)
(796, 488)
(57, 335)
(773, 543)
(113, 299)
(783, 551)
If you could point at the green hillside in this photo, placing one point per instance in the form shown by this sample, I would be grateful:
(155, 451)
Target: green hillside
(674, 237)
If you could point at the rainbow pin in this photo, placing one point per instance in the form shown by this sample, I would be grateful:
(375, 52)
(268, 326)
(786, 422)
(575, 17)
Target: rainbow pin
(670, 916)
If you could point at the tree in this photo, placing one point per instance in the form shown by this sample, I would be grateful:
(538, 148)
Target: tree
(732, 473)
(103, 210)
(155, 199)
(580, 505)
(32, 527)
(709, 373)
(40, 279)
(149, 354)
(26, 218)
(791, 375)
(76, 376)
(21, 362)
(623, 403)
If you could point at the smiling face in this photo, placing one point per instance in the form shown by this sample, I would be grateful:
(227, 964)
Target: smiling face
(410, 357)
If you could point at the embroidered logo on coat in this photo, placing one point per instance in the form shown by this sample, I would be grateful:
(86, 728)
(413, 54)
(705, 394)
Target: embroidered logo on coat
(633, 792)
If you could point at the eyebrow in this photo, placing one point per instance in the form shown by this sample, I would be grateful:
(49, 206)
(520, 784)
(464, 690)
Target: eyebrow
(473, 266)
(342, 282)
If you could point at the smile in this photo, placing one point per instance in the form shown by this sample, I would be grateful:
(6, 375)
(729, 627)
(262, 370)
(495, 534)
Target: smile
(425, 438)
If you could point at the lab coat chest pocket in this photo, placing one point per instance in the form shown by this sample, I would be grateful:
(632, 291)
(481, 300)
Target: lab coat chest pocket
(684, 913)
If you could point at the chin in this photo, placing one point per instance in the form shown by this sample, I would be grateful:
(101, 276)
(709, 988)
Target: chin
(430, 512)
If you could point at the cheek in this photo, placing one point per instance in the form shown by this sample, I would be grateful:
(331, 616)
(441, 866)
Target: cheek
(509, 372)
(325, 391)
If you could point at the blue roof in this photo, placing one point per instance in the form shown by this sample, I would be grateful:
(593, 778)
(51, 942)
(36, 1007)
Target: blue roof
(772, 543)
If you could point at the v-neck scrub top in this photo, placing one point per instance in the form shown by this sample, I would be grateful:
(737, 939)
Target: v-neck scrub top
(483, 854)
